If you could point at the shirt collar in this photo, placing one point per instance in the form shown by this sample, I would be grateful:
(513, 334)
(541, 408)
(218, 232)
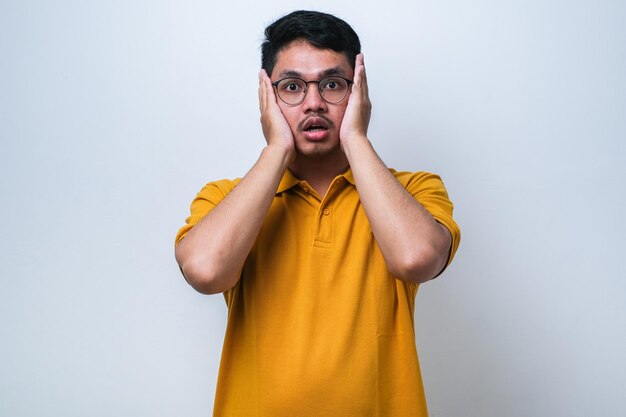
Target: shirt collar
(348, 176)
(289, 180)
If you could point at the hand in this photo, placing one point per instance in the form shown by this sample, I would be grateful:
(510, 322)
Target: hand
(275, 127)
(357, 116)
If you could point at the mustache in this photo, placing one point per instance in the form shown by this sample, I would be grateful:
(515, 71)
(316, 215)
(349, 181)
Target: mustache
(329, 123)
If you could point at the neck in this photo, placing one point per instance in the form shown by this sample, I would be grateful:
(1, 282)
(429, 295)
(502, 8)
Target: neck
(319, 172)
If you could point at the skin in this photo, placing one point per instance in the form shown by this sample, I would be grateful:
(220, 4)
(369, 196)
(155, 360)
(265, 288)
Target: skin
(318, 157)
(414, 245)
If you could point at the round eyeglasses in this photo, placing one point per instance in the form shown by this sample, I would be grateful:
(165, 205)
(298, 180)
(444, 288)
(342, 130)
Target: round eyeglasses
(292, 90)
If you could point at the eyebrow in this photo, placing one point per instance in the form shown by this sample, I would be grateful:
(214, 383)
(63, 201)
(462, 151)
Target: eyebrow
(325, 73)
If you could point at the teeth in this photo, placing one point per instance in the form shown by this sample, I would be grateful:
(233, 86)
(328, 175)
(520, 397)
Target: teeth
(315, 129)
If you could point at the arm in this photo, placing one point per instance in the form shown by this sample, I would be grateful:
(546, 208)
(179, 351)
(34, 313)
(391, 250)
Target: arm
(415, 246)
(212, 254)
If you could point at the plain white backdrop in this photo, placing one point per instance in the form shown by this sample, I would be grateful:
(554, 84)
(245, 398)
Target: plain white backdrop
(114, 114)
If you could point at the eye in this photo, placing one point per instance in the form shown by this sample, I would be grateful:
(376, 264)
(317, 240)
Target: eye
(291, 86)
(333, 84)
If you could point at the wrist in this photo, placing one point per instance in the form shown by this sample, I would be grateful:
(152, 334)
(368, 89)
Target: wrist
(282, 154)
(351, 142)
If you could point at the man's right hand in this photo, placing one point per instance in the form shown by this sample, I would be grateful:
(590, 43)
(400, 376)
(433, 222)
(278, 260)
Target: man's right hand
(212, 254)
(275, 127)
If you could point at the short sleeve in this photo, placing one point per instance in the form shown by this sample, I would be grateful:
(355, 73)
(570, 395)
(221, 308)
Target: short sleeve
(205, 201)
(431, 193)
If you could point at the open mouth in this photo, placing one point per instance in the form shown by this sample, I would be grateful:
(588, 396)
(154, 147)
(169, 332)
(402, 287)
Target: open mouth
(316, 128)
(316, 124)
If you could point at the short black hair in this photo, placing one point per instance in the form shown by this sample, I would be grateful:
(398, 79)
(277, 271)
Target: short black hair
(321, 30)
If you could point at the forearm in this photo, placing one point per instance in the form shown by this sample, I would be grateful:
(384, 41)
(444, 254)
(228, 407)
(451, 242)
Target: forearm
(415, 246)
(212, 254)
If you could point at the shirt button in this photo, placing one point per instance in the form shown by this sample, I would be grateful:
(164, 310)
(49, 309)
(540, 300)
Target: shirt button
(306, 190)
(326, 212)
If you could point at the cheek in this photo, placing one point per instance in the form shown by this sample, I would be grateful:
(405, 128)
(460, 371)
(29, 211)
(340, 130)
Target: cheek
(339, 114)
(290, 115)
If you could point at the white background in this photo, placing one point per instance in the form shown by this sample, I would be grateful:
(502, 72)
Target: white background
(113, 114)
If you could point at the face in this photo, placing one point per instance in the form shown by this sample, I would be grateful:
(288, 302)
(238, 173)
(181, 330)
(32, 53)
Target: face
(314, 122)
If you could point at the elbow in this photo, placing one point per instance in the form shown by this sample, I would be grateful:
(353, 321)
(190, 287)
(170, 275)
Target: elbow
(206, 280)
(426, 261)
(204, 275)
(419, 266)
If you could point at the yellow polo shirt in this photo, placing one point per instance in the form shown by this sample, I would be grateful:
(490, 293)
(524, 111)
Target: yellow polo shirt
(317, 326)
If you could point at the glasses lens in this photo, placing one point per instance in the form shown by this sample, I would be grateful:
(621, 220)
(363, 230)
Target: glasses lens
(333, 89)
(291, 90)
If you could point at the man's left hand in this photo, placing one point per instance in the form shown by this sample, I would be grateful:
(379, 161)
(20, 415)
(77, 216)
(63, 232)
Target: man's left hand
(357, 117)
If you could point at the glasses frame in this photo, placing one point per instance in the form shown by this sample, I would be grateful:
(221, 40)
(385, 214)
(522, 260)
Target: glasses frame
(306, 88)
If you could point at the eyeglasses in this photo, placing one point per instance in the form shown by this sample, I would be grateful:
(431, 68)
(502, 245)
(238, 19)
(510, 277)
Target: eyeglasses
(332, 89)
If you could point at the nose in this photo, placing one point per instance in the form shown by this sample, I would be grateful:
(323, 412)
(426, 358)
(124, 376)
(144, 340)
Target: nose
(313, 101)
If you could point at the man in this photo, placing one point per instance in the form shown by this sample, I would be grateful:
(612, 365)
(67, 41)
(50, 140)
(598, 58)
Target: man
(320, 248)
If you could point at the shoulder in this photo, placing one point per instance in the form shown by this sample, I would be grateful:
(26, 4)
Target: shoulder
(217, 189)
(429, 190)
(419, 181)
(207, 198)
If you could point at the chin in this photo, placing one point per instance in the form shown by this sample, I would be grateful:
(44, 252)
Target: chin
(317, 149)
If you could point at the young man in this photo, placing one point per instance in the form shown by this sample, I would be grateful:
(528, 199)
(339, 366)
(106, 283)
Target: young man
(320, 248)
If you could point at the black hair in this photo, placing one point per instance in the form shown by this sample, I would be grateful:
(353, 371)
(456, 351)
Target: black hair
(321, 30)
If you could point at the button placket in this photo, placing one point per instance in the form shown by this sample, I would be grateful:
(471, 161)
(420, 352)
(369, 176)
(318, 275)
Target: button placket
(324, 229)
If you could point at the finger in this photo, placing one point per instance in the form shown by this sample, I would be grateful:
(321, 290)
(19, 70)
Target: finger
(266, 89)
(358, 66)
(360, 59)
(261, 91)
(359, 87)
(270, 95)
(363, 73)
